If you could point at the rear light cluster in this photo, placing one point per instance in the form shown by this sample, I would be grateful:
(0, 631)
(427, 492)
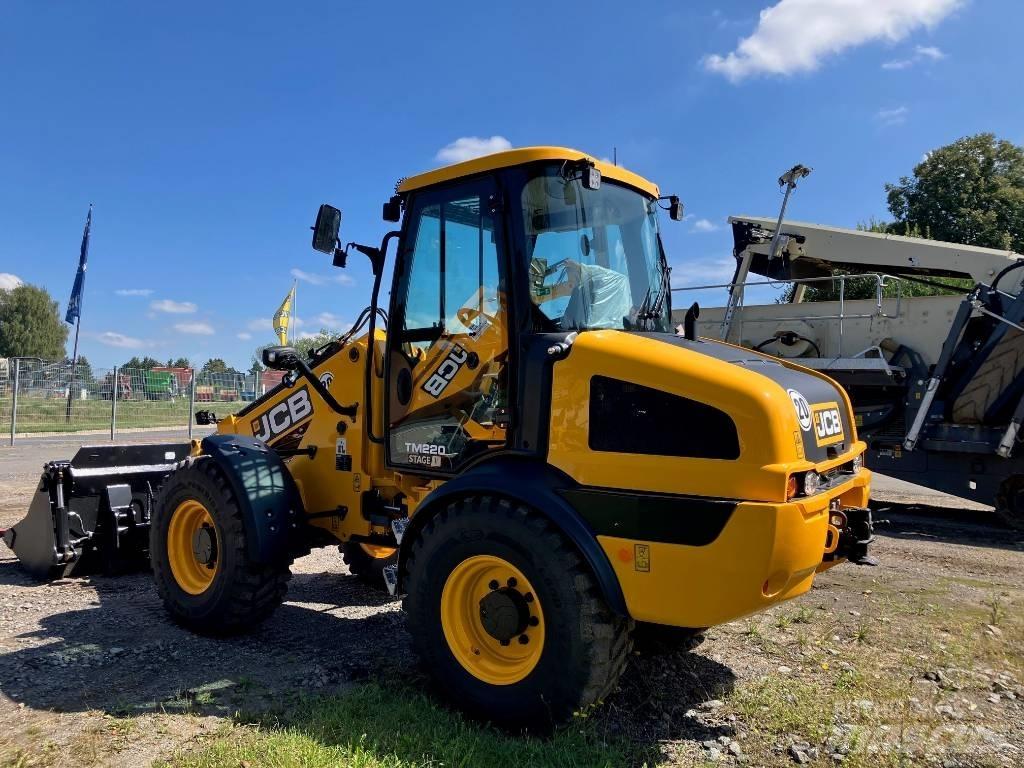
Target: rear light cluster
(812, 482)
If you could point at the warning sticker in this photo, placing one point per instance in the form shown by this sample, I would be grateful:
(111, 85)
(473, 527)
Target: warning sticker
(642, 557)
(342, 459)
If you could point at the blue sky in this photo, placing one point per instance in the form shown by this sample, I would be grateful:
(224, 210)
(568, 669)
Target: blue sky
(206, 134)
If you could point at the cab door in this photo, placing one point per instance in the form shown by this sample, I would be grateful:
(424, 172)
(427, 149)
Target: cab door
(448, 346)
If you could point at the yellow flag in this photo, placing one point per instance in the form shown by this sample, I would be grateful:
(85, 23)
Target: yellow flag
(282, 317)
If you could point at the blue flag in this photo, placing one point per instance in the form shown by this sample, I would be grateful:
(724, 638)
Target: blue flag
(75, 302)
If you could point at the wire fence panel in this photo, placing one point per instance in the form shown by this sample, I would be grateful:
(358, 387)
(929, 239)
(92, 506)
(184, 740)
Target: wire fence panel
(6, 386)
(225, 393)
(51, 397)
(147, 399)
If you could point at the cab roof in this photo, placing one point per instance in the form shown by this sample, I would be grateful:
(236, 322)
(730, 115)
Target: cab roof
(513, 157)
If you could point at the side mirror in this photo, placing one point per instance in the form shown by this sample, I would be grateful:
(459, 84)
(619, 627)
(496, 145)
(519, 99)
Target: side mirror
(325, 231)
(280, 358)
(393, 209)
(675, 208)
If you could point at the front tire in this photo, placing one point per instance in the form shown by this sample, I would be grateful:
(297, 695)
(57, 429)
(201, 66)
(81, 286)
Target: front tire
(200, 560)
(507, 617)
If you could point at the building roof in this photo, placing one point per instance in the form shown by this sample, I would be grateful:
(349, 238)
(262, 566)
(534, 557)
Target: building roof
(518, 157)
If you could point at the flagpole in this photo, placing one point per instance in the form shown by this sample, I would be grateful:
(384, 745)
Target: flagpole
(74, 362)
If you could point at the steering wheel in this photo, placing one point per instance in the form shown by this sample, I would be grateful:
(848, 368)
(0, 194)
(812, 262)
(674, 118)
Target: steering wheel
(467, 316)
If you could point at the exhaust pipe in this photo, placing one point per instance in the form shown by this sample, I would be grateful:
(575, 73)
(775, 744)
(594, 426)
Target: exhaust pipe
(690, 322)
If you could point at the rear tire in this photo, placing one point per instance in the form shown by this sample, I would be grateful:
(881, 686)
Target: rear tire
(580, 646)
(218, 590)
(1010, 502)
(367, 562)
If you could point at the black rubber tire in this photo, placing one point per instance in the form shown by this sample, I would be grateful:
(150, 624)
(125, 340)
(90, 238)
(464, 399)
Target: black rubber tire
(658, 639)
(243, 593)
(1003, 365)
(1010, 502)
(367, 568)
(586, 648)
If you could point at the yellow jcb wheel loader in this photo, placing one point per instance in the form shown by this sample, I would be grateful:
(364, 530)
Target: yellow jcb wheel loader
(521, 446)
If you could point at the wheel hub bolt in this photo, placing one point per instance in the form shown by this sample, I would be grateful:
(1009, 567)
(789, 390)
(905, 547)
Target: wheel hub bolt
(494, 584)
(523, 639)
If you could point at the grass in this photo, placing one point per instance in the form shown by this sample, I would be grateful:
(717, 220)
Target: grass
(39, 414)
(392, 725)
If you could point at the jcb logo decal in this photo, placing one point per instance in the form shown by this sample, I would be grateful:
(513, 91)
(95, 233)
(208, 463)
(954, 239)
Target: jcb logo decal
(446, 371)
(283, 415)
(828, 424)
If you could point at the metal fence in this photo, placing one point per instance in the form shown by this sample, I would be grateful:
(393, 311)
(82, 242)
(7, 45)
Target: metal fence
(39, 397)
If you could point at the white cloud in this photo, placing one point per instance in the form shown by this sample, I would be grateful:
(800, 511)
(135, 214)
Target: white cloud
(112, 339)
(704, 225)
(797, 35)
(244, 336)
(468, 147)
(198, 328)
(314, 279)
(307, 277)
(894, 116)
(329, 320)
(134, 291)
(174, 307)
(708, 271)
(921, 53)
(9, 281)
(929, 52)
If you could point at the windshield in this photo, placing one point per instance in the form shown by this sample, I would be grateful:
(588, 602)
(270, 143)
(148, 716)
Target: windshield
(595, 255)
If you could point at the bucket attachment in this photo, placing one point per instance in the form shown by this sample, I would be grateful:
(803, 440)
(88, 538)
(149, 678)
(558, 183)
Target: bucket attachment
(93, 512)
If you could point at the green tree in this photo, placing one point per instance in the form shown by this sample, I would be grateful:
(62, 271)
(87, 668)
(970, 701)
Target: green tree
(304, 346)
(83, 371)
(215, 365)
(146, 364)
(30, 325)
(970, 191)
(181, 362)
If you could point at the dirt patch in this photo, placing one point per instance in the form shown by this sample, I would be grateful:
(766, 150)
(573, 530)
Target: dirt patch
(918, 660)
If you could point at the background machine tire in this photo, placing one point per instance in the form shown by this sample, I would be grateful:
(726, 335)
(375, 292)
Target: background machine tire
(1010, 502)
(368, 561)
(532, 640)
(201, 564)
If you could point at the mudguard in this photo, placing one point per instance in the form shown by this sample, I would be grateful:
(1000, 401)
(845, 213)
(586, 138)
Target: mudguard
(269, 500)
(536, 485)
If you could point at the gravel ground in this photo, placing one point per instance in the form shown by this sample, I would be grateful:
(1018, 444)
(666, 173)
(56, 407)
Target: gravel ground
(92, 673)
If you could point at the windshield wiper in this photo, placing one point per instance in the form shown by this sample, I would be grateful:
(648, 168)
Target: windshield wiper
(653, 303)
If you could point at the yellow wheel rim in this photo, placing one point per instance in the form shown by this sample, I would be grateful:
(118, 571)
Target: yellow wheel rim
(492, 620)
(376, 551)
(193, 547)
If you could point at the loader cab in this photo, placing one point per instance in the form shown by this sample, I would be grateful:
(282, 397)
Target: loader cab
(501, 260)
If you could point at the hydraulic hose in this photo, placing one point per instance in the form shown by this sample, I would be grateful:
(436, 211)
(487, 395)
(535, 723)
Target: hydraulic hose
(1009, 268)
